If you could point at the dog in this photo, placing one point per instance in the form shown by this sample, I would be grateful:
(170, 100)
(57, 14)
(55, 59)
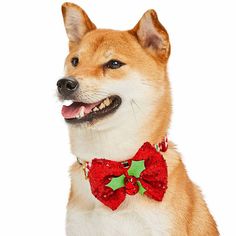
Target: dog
(127, 180)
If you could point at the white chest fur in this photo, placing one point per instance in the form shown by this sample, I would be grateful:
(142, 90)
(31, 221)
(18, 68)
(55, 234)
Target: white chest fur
(138, 215)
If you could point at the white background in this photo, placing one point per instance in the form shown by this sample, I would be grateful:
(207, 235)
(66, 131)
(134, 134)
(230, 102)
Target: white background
(34, 150)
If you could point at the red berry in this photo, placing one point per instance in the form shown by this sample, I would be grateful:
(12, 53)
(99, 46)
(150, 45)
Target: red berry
(163, 145)
(131, 185)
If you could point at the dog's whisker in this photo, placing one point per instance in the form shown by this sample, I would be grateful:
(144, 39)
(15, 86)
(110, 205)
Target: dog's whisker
(152, 85)
(133, 112)
(133, 101)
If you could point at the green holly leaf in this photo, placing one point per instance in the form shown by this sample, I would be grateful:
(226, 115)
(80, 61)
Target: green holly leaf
(157, 147)
(117, 182)
(136, 168)
(141, 190)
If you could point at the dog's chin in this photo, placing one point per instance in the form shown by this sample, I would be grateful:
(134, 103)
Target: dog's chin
(90, 114)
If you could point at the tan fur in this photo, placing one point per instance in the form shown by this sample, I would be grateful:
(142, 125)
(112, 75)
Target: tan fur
(190, 215)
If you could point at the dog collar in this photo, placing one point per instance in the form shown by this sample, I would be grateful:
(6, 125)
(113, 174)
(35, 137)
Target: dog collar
(160, 147)
(145, 172)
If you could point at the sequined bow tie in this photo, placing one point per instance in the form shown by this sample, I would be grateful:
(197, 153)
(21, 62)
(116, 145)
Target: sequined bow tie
(145, 173)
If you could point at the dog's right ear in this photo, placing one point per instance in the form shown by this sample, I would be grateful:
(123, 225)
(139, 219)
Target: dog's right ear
(76, 21)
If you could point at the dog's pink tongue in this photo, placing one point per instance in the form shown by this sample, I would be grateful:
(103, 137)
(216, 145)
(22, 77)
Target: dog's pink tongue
(70, 112)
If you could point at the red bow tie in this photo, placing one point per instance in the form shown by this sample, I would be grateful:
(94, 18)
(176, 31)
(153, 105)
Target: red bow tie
(145, 173)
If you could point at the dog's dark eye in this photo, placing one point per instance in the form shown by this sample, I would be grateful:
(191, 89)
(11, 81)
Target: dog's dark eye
(114, 64)
(75, 61)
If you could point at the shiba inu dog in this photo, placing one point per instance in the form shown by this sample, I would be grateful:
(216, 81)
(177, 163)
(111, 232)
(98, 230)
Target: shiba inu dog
(117, 106)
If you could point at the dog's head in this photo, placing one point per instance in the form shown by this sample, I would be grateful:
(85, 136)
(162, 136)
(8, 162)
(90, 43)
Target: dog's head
(115, 79)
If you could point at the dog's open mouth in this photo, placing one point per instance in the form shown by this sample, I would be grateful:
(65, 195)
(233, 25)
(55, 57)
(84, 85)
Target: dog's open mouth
(78, 112)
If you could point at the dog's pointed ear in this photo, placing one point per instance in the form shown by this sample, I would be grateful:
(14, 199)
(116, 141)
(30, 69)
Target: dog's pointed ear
(152, 35)
(76, 21)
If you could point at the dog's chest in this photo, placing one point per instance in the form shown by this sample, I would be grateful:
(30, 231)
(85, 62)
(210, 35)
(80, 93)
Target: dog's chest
(138, 215)
(127, 223)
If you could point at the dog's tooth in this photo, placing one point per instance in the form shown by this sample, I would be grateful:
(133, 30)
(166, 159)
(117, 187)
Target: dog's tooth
(95, 109)
(102, 105)
(67, 102)
(107, 102)
(82, 112)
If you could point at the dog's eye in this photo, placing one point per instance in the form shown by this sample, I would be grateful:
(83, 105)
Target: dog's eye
(75, 61)
(114, 64)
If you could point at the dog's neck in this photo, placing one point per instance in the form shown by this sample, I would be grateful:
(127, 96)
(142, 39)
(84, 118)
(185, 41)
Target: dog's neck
(114, 144)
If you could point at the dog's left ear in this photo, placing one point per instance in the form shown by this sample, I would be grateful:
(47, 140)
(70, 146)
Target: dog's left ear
(77, 22)
(152, 36)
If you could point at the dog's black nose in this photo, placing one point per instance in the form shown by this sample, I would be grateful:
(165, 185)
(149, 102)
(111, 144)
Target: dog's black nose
(67, 86)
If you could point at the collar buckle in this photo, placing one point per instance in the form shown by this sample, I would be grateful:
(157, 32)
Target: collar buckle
(85, 167)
